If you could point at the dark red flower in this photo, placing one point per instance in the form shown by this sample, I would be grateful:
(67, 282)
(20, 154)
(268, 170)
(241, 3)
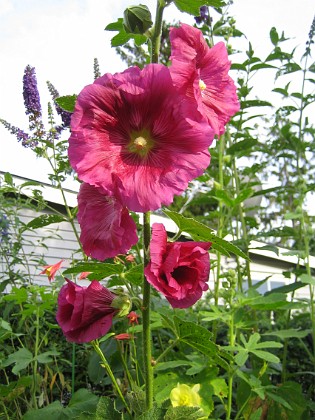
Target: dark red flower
(179, 270)
(86, 313)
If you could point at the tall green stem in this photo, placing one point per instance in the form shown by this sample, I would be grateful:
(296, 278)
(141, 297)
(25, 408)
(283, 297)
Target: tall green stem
(156, 36)
(105, 364)
(35, 358)
(147, 353)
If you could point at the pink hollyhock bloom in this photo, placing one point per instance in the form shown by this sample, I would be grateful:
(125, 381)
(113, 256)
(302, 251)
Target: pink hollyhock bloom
(107, 229)
(179, 270)
(51, 270)
(134, 135)
(86, 313)
(202, 72)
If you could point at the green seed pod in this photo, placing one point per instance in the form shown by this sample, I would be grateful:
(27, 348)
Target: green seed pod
(137, 19)
(123, 303)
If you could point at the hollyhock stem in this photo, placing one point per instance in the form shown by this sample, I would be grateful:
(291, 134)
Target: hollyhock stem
(105, 364)
(156, 37)
(148, 371)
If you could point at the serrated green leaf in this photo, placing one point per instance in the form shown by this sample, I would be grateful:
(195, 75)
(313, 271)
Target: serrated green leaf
(241, 357)
(155, 413)
(21, 359)
(220, 387)
(262, 66)
(46, 356)
(106, 410)
(199, 338)
(67, 103)
(271, 248)
(286, 289)
(201, 232)
(183, 413)
(135, 275)
(171, 365)
(44, 220)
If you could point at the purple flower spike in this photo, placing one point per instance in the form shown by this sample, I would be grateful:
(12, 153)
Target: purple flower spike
(203, 15)
(30, 92)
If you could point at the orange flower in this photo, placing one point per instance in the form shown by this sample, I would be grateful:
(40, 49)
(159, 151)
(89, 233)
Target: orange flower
(51, 270)
(133, 318)
(84, 275)
(123, 336)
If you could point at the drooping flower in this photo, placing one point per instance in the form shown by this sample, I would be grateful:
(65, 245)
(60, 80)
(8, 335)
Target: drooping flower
(86, 313)
(51, 270)
(179, 270)
(21, 136)
(133, 318)
(134, 135)
(184, 395)
(84, 275)
(107, 229)
(123, 336)
(202, 72)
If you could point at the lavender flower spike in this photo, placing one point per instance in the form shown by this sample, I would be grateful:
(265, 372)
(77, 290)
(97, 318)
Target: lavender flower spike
(65, 115)
(30, 93)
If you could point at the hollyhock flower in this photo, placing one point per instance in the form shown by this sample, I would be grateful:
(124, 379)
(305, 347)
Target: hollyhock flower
(134, 135)
(184, 395)
(179, 270)
(51, 270)
(202, 72)
(107, 229)
(133, 318)
(86, 313)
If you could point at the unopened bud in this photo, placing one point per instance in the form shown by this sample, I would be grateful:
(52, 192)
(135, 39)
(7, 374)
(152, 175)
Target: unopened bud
(123, 303)
(137, 19)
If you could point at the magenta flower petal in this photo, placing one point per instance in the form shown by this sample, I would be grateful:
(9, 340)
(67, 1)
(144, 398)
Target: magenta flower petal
(85, 313)
(179, 270)
(107, 229)
(202, 72)
(137, 137)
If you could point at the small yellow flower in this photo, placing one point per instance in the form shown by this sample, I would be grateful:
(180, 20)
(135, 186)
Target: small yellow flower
(185, 395)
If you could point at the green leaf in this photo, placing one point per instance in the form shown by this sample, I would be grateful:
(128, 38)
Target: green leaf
(307, 279)
(286, 289)
(290, 333)
(81, 406)
(262, 66)
(201, 232)
(241, 357)
(283, 92)
(67, 103)
(242, 145)
(265, 355)
(243, 195)
(271, 248)
(154, 413)
(279, 399)
(115, 26)
(120, 39)
(102, 268)
(44, 220)
(8, 179)
(46, 356)
(171, 365)
(267, 302)
(192, 7)
(199, 338)
(135, 275)
(220, 387)
(106, 410)
(183, 413)
(21, 359)
(254, 102)
(274, 36)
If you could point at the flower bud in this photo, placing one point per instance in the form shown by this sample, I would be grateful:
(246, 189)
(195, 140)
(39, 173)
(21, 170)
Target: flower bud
(121, 302)
(137, 19)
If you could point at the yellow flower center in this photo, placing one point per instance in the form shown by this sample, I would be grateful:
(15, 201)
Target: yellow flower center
(202, 85)
(140, 143)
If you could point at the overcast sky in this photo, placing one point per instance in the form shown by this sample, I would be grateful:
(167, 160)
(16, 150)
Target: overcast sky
(60, 38)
